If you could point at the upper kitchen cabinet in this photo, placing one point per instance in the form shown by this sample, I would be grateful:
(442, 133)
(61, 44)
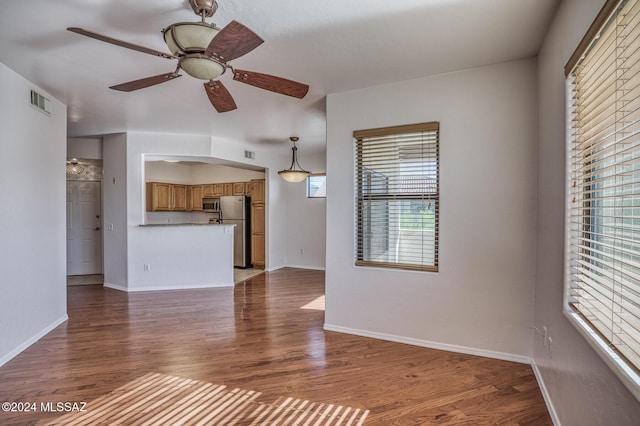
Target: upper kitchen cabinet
(163, 197)
(194, 197)
(256, 190)
(238, 188)
(158, 197)
(207, 190)
(179, 194)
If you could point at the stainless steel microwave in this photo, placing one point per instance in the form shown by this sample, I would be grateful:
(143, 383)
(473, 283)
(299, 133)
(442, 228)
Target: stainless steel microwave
(211, 204)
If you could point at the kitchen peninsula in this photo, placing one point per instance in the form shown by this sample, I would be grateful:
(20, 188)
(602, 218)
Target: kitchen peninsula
(181, 256)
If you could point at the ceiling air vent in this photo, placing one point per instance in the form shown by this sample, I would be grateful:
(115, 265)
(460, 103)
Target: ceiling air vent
(249, 154)
(40, 102)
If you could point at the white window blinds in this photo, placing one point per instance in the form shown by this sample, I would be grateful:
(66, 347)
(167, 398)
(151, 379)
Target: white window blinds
(603, 269)
(397, 196)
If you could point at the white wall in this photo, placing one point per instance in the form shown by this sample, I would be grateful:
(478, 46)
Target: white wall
(138, 239)
(114, 208)
(481, 300)
(32, 243)
(582, 389)
(86, 148)
(216, 173)
(181, 257)
(161, 171)
(278, 229)
(306, 229)
(196, 174)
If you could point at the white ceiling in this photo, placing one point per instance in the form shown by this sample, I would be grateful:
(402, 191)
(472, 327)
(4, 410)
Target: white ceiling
(332, 45)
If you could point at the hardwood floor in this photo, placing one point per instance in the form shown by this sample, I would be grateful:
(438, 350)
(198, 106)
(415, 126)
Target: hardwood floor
(269, 352)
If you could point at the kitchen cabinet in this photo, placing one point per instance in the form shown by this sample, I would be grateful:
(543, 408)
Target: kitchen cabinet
(258, 227)
(194, 198)
(228, 189)
(207, 190)
(218, 189)
(166, 197)
(258, 257)
(238, 188)
(158, 197)
(179, 197)
(256, 190)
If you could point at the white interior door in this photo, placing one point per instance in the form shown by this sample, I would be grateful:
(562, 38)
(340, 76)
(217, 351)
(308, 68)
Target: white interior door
(84, 230)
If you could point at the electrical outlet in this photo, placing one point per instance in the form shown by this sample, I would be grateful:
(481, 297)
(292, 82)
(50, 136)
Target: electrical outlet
(110, 227)
(301, 251)
(147, 267)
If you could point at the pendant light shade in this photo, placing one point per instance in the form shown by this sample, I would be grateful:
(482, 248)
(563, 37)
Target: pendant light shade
(73, 168)
(294, 173)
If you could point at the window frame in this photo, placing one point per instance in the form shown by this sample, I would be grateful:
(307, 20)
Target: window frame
(308, 183)
(576, 206)
(360, 197)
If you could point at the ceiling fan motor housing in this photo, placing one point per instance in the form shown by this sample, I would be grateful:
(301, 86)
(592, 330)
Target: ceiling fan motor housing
(189, 37)
(208, 7)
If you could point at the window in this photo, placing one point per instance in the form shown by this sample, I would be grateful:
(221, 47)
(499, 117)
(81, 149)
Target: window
(317, 185)
(603, 222)
(397, 197)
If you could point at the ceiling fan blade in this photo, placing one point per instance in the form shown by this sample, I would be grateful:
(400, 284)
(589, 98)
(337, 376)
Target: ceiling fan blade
(233, 41)
(130, 86)
(272, 83)
(219, 96)
(121, 43)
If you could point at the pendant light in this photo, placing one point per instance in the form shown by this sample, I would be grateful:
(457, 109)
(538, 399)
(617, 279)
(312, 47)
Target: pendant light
(73, 168)
(294, 173)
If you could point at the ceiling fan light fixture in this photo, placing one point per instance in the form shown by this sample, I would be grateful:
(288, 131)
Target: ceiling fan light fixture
(201, 67)
(189, 37)
(294, 173)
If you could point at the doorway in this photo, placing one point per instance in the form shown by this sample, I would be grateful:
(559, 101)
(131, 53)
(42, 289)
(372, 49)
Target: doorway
(84, 227)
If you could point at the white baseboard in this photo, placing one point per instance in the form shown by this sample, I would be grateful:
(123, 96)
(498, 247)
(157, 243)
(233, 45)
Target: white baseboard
(115, 287)
(545, 394)
(432, 345)
(313, 268)
(162, 288)
(8, 357)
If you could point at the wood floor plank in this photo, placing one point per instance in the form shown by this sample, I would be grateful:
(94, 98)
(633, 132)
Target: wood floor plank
(271, 357)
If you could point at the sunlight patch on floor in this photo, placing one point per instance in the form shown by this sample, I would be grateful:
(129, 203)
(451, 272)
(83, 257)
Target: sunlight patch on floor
(158, 399)
(316, 304)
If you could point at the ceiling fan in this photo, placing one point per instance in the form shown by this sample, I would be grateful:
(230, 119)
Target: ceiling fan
(203, 51)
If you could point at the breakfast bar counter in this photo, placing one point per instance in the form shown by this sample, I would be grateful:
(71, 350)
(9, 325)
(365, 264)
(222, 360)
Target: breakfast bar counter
(181, 256)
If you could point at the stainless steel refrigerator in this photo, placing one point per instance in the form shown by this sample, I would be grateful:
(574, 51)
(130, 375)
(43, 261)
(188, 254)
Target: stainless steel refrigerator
(236, 210)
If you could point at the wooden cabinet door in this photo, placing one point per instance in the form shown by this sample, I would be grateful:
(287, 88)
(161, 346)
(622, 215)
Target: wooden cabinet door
(195, 197)
(238, 188)
(158, 197)
(228, 189)
(257, 190)
(179, 197)
(218, 189)
(207, 191)
(258, 257)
